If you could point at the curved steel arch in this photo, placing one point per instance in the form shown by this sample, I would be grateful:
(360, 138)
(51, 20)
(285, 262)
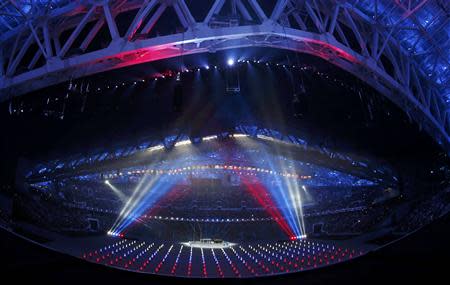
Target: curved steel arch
(335, 31)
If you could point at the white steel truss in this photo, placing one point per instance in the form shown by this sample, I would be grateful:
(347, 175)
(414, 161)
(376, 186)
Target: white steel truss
(331, 29)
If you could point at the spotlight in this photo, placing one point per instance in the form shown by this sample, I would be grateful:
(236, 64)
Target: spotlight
(230, 62)
(106, 181)
(207, 67)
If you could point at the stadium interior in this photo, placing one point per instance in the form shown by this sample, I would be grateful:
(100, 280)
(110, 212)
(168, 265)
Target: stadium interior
(237, 162)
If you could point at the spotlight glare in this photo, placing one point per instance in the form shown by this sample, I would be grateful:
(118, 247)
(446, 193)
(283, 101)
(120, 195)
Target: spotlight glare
(207, 67)
(180, 143)
(230, 62)
(106, 181)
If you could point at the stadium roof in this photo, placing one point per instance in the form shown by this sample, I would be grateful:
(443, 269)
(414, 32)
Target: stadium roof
(421, 26)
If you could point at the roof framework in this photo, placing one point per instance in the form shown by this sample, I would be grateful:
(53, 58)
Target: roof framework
(401, 47)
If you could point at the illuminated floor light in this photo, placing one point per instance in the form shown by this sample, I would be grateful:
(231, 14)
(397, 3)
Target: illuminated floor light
(241, 261)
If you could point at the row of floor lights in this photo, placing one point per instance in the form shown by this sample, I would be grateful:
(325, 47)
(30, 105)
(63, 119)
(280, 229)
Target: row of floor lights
(265, 256)
(257, 261)
(118, 246)
(160, 264)
(290, 251)
(276, 258)
(291, 248)
(244, 262)
(205, 274)
(150, 258)
(281, 255)
(141, 253)
(190, 263)
(233, 267)
(130, 252)
(90, 254)
(175, 264)
(219, 269)
(150, 246)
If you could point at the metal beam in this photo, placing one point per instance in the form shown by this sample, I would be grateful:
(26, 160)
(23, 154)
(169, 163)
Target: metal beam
(334, 19)
(184, 10)
(12, 67)
(216, 7)
(92, 33)
(76, 32)
(47, 40)
(245, 13)
(258, 10)
(111, 23)
(155, 17)
(279, 8)
(137, 21)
